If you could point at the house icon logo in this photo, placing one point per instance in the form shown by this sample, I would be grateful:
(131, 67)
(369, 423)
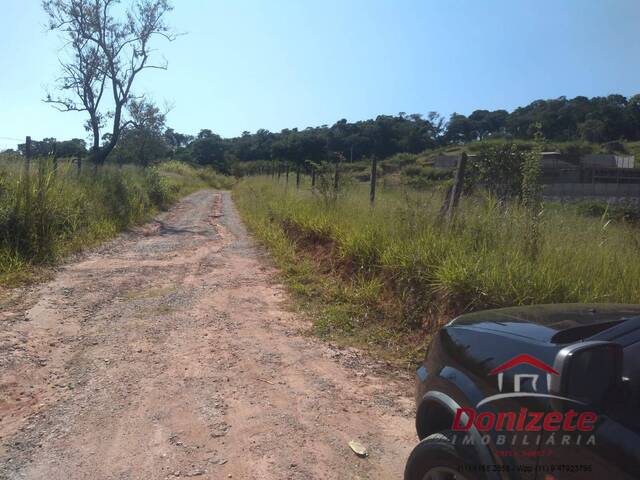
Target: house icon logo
(520, 378)
(514, 415)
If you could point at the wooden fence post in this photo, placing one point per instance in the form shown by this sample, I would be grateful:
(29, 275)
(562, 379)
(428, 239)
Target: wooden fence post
(458, 185)
(55, 158)
(336, 176)
(313, 178)
(374, 177)
(27, 179)
(27, 154)
(298, 176)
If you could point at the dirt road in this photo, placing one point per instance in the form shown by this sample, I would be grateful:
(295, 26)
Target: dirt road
(170, 353)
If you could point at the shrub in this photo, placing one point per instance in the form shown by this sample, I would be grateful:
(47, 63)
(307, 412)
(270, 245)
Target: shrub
(161, 192)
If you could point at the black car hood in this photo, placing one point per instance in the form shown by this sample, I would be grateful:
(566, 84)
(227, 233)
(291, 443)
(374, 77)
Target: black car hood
(555, 323)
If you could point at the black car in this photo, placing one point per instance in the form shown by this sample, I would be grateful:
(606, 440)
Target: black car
(539, 392)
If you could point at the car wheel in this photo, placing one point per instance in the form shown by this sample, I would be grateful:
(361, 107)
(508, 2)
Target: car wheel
(437, 458)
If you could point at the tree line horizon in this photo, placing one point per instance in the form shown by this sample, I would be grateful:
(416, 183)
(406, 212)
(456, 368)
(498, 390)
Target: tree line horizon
(595, 120)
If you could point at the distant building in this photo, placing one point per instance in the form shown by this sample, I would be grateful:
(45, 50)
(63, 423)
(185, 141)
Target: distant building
(446, 161)
(605, 177)
(449, 162)
(594, 175)
(599, 160)
(552, 160)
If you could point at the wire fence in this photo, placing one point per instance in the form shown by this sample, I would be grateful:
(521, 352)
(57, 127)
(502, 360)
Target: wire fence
(9, 143)
(30, 149)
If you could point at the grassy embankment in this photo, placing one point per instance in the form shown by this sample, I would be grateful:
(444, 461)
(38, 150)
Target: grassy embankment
(386, 277)
(48, 215)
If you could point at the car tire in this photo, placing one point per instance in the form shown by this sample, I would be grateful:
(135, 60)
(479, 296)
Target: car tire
(436, 457)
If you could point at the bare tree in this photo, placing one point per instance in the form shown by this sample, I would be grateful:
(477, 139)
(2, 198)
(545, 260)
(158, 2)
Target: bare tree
(106, 55)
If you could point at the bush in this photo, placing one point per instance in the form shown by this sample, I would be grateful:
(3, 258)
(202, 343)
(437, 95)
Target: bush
(497, 166)
(161, 192)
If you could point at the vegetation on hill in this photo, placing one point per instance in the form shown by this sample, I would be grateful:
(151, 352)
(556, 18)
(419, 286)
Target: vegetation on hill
(577, 126)
(580, 125)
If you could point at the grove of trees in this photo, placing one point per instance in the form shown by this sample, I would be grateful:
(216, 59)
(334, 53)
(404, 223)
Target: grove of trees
(145, 137)
(598, 119)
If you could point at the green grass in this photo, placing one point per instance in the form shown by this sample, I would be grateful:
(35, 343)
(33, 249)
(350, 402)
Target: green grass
(46, 215)
(389, 276)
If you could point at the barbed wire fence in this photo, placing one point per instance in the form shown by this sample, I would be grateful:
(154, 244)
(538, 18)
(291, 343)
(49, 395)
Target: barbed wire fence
(30, 149)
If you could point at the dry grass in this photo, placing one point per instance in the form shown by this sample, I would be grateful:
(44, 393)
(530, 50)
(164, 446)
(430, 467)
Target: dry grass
(390, 275)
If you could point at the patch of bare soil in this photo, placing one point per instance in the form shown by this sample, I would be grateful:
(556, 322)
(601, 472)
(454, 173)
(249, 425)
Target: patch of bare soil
(171, 353)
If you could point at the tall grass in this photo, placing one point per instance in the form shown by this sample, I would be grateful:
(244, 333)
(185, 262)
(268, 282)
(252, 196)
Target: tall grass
(398, 266)
(47, 214)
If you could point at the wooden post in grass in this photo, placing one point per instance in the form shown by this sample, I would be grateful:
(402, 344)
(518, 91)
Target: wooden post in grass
(279, 171)
(286, 181)
(458, 185)
(55, 158)
(374, 175)
(336, 176)
(313, 177)
(298, 176)
(27, 178)
(27, 154)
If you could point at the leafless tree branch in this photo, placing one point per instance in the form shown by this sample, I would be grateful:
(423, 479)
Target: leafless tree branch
(106, 54)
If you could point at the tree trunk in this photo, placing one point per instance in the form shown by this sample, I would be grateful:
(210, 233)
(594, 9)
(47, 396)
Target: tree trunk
(27, 179)
(27, 155)
(100, 156)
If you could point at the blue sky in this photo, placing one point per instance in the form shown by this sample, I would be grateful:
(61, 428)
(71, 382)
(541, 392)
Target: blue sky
(249, 64)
